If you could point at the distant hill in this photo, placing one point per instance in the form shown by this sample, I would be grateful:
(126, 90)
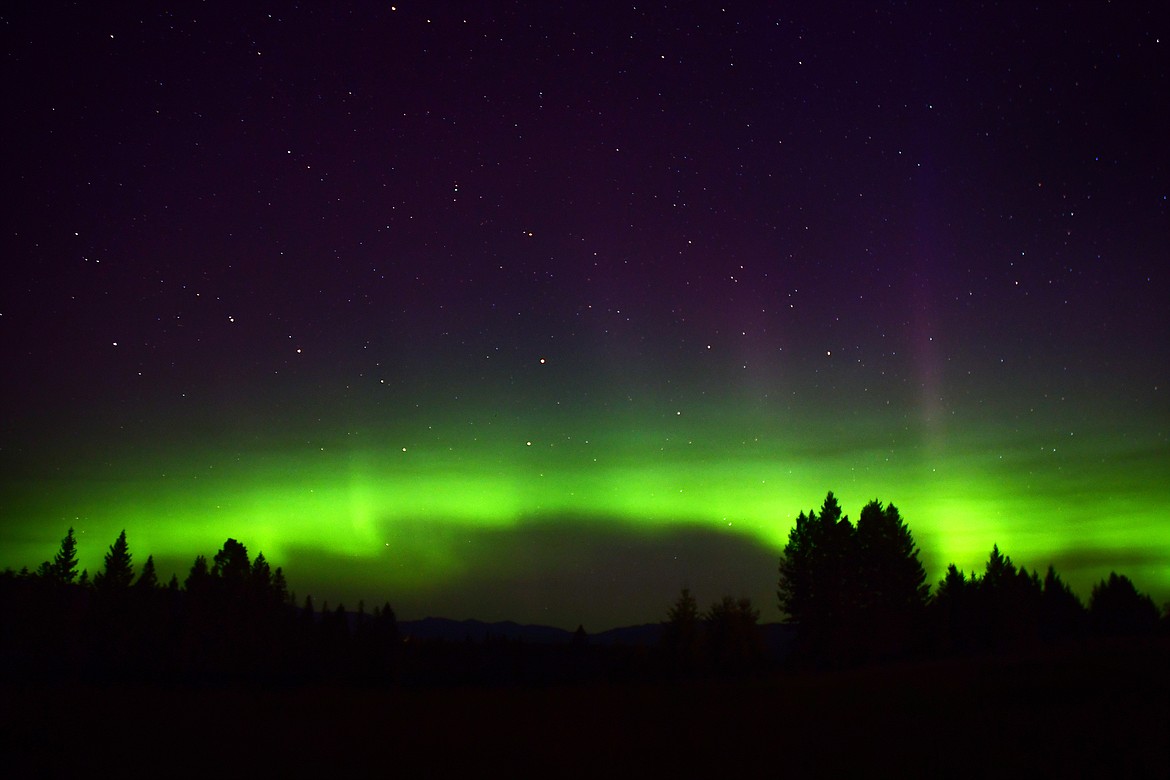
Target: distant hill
(777, 636)
(644, 635)
(477, 631)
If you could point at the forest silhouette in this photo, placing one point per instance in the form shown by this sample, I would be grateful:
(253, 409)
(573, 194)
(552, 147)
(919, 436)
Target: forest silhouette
(852, 594)
(871, 668)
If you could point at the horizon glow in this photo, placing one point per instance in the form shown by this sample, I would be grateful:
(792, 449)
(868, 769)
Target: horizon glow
(416, 506)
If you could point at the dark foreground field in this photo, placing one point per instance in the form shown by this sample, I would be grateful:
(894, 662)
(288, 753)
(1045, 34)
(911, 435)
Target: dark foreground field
(1103, 710)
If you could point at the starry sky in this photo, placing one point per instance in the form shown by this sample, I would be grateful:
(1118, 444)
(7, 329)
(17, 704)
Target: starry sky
(541, 311)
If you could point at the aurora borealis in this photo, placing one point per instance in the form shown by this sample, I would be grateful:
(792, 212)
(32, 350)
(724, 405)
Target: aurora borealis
(507, 311)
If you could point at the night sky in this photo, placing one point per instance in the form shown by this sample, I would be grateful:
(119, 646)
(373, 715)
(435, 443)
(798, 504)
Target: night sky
(522, 311)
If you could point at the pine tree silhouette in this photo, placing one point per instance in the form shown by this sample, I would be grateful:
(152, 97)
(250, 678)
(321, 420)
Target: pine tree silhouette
(892, 590)
(199, 578)
(953, 608)
(148, 577)
(1062, 613)
(260, 578)
(118, 572)
(280, 594)
(818, 571)
(231, 568)
(1116, 608)
(63, 568)
(680, 634)
(732, 635)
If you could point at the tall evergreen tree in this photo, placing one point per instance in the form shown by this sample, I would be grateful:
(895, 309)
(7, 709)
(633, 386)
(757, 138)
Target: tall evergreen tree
(280, 592)
(387, 623)
(998, 571)
(231, 567)
(854, 591)
(1062, 612)
(893, 580)
(260, 578)
(818, 571)
(680, 632)
(1007, 600)
(1117, 608)
(199, 578)
(796, 569)
(684, 612)
(732, 634)
(63, 568)
(953, 586)
(148, 578)
(891, 587)
(118, 572)
(952, 609)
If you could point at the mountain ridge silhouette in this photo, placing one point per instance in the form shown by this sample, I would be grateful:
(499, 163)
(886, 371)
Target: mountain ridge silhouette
(776, 636)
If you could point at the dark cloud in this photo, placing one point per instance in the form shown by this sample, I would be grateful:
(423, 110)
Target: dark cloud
(246, 241)
(561, 572)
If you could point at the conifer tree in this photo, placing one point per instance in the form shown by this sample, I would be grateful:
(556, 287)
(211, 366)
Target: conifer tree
(855, 591)
(818, 571)
(231, 567)
(891, 590)
(952, 608)
(199, 578)
(952, 587)
(685, 612)
(280, 592)
(999, 602)
(796, 574)
(732, 633)
(260, 578)
(63, 569)
(119, 571)
(148, 578)
(387, 623)
(892, 579)
(1062, 612)
(680, 633)
(307, 614)
(1117, 608)
(998, 571)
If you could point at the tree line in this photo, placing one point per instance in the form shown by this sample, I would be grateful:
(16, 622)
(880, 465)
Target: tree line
(859, 592)
(850, 594)
(232, 619)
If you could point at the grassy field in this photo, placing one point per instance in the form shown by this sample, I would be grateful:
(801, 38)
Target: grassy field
(1096, 710)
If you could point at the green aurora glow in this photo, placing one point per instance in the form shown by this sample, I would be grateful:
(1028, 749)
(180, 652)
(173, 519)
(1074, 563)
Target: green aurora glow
(540, 315)
(409, 507)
